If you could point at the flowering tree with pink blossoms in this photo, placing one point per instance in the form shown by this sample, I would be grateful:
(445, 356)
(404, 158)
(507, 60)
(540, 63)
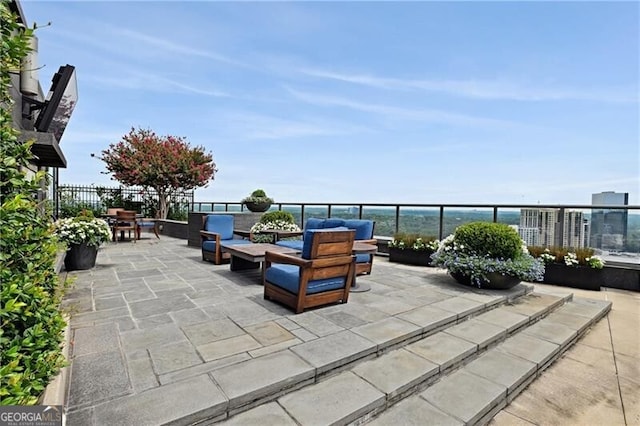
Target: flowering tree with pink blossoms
(167, 164)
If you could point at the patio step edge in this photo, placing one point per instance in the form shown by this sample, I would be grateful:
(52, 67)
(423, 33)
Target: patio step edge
(350, 365)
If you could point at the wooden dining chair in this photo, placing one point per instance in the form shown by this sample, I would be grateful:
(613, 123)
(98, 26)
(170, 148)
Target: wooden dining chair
(125, 221)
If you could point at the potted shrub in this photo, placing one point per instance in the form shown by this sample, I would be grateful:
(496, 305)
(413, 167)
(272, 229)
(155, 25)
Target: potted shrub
(82, 235)
(258, 201)
(487, 255)
(273, 221)
(577, 268)
(412, 249)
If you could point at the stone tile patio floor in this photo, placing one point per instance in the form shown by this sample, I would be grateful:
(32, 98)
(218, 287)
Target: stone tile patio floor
(152, 314)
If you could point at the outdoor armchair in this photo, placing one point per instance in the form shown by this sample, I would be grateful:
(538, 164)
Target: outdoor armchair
(322, 274)
(217, 231)
(364, 234)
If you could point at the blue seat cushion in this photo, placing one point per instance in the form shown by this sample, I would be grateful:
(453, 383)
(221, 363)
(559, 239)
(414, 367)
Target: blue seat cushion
(363, 258)
(210, 245)
(146, 224)
(293, 244)
(288, 277)
(220, 224)
(307, 239)
(363, 228)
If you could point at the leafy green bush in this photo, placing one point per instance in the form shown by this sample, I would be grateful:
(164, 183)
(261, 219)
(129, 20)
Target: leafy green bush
(257, 196)
(31, 326)
(277, 216)
(495, 240)
(478, 249)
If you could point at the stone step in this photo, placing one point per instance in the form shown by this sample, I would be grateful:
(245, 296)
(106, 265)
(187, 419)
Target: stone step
(478, 390)
(386, 361)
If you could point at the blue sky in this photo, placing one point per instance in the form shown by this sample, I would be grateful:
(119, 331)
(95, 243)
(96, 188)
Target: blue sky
(363, 102)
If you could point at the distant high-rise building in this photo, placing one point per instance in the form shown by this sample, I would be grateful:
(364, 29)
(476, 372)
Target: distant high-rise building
(609, 226)
(573, 229)
(529, 224)
(541, 227)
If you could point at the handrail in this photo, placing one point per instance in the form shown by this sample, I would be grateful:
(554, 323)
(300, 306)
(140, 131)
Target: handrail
(393, 224)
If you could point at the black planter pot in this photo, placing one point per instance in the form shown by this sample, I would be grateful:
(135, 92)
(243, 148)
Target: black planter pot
(410, 257)
(583, 277)
(80, 257)
(257, 207)
(496, 281)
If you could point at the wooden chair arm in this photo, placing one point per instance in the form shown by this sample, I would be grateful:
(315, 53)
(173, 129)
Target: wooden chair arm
(290, 259)
(371, 241)
(209, 235)
(242, 233)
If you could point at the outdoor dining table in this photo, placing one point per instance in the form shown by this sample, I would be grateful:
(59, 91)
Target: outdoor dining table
(111, 218)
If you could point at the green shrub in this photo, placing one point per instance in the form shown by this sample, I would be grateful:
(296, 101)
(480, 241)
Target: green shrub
(277, 216)
(31, 326)
(257, 196)
(495, 240)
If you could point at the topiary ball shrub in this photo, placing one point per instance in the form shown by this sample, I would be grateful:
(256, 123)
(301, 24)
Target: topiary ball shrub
(495, 240)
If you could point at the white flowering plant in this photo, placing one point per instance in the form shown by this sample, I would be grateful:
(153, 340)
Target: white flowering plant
(561, 255)
(82, 229)
(479, 248)
(414, 242)
(278, 220)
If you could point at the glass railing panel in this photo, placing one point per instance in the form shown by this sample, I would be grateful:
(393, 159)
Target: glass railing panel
(456, 216)
(229, 208)
(419, 220)
(345, 212)
(509, 216)
(295, 210)
(384, 218)
(319, 211)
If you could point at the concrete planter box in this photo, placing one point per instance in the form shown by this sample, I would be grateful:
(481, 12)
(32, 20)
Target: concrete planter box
(410, 257)
(174, 228)
(582, 277)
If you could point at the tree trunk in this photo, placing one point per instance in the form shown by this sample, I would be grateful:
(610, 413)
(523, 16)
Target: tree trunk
(162, 204)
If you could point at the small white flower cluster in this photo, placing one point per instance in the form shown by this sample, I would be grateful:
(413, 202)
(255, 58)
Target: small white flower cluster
(278, 224)
(571, 259)
(595, 262)
(418, 245)
(79, 230)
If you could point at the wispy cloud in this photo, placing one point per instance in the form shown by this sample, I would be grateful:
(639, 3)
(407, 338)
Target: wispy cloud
(170, 46)
(483, 89)
(258, 126)
(134, 79)
(422, 114)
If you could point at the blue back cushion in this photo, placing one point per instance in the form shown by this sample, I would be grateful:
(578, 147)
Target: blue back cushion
(314, 223)
(363, 228)
(220, 224)
(333, 223)
(308, 239)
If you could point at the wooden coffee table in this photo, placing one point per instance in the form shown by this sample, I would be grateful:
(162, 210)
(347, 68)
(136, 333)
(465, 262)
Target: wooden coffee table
(251, 256)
